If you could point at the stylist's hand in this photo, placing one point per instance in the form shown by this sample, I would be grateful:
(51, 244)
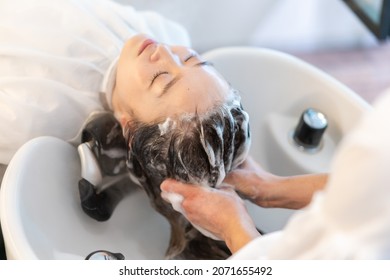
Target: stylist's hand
(219, 211)
(268, 190)
(254, 183)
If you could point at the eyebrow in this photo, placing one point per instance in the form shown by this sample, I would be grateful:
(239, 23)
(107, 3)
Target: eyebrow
(170, 84)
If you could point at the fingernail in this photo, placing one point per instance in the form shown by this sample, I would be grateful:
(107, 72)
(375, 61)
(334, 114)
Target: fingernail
(164, 185)
(224, 185)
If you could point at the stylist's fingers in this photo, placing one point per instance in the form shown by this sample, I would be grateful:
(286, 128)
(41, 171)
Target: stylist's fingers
(191, 194)
(244, 181)
(239, 175)
(171, 185)
(234, 178)
(250, 179)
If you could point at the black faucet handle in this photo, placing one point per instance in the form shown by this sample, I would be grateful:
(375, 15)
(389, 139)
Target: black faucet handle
(310, 129)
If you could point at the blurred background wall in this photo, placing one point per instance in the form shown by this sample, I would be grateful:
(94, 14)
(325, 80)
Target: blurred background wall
(290, 25)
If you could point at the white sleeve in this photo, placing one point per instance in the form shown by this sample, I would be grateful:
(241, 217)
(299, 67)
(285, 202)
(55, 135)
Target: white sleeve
(350, 219)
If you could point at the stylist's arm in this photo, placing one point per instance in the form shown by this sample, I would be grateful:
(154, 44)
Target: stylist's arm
(269, 191)
(220, 211)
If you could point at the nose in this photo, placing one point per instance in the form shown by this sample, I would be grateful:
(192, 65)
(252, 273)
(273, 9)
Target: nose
(164, 54)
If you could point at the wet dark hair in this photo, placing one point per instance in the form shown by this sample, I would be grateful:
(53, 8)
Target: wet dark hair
(191, 149)
(196, 149)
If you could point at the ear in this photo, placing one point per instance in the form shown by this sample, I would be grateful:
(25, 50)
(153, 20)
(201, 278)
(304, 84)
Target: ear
(124, 120)
(120, 113)
(122, 117)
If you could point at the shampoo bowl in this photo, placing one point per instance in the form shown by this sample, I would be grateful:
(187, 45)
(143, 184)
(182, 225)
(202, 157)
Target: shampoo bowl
(40, 211)
(42, 218)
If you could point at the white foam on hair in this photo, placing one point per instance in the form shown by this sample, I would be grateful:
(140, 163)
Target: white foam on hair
(222, 174)
(182, 163)
(246, 146)
(210, 154)
(216, 160)
(165, 126)
(213, 160)
(113, 153)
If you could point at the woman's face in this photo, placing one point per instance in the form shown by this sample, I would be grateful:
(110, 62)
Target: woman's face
(156, 81)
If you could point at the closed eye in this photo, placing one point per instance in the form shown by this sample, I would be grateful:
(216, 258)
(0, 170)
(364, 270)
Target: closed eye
(156, 75)
(204, 63)
(189, 57)
(201, 63)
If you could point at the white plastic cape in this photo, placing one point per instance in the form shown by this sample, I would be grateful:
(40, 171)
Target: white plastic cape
(350, 219)
(53, 58)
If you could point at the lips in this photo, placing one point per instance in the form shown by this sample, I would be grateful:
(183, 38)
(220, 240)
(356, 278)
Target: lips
(145, 44)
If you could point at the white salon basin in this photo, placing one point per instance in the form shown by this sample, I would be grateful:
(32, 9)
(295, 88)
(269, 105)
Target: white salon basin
(42, 218)
(40, 208)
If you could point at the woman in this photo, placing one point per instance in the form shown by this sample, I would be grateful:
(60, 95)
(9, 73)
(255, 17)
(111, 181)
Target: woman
(181, 120)
(179, 117)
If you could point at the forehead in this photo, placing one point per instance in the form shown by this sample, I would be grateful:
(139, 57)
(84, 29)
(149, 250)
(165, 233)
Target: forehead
(181, 49)
(198, 89)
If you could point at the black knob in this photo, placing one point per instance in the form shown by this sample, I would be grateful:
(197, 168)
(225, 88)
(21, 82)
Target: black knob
(310, 128)
(104, 255)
